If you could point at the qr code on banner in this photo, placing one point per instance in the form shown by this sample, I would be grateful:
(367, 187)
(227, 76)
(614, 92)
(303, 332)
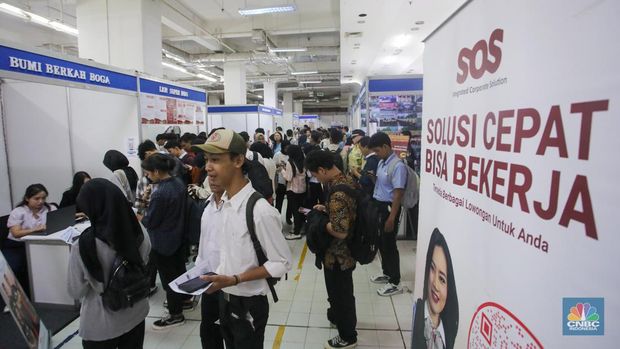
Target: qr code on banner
(493, 326)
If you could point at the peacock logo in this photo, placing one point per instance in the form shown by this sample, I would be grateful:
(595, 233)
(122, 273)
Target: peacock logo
(583, 312)
(583, 316)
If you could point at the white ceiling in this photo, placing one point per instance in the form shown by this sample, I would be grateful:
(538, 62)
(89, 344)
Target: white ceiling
(388, 45)
(195, 29)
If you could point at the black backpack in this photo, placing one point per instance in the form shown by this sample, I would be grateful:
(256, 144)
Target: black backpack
(260, 254)
(128, 283)
(193, 217)
(257, 173)
(366, 231)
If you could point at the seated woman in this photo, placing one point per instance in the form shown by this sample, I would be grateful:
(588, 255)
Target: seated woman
(30, 216)
(114, 231)
(69, 196)
(124, 176)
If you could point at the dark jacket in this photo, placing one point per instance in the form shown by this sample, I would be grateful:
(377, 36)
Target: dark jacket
(366, 180)
(165, 216)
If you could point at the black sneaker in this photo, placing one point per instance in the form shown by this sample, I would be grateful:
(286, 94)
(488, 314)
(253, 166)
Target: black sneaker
(189, 304)
(339, 343)
(169, 321)
(292, 236)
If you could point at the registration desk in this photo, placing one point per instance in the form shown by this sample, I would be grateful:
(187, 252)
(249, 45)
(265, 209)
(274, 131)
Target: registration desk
(48, 261)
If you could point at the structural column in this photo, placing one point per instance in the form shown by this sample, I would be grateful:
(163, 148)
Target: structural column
(270, 93)
(234, 83)
(125, 34)
(287, 111)
(214, 99)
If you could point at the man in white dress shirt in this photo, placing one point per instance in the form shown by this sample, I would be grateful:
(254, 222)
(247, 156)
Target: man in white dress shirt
(244, 307)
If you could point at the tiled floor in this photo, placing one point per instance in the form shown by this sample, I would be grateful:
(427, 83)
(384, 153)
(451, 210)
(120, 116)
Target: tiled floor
(299, 317)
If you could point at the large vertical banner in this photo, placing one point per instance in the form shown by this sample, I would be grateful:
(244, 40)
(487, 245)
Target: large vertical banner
(518, 236)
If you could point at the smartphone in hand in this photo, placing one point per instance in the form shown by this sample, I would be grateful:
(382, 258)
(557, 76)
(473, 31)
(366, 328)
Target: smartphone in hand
(194, 284)
(304, 210)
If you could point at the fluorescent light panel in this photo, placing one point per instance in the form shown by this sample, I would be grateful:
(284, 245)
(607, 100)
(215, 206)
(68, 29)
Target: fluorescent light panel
(34, 18)
(304, 72)
(183, 70)
(267, 10)
(311, 82)
(290, 49)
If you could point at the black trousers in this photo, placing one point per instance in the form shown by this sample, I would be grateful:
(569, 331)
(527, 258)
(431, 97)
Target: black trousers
(152, 269)
(134, 339)
(295, 201)
(315, 194)
(15, 254)
(210, 332)
(280, 195)
(339, 285)
(169, 268)
(237, 329)
(412, 222)
(390, 258)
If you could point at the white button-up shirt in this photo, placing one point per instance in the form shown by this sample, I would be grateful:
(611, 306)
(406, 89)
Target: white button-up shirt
(211, 231)
(237, 253)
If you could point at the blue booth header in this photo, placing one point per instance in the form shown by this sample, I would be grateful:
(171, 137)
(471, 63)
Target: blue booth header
(394, 85)
(302, 117)
(167, 90)
(25, 62)
(243, 109)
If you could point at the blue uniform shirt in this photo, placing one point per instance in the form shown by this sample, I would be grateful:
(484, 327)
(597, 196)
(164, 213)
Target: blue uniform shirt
(385, 185)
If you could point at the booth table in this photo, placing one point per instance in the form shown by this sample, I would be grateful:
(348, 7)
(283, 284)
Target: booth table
(48, 262)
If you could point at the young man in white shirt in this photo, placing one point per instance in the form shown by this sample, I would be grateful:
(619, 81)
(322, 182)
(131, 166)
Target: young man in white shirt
(244, 307)
(211, 231)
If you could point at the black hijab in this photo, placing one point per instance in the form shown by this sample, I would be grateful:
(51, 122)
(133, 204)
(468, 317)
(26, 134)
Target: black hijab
(115, 160)
(112, 221)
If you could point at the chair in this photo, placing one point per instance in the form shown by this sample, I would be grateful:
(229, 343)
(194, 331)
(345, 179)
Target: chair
(4, 231)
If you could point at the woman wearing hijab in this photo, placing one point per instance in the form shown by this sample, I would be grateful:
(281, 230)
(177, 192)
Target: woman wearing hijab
(124, 177)
(114, 231)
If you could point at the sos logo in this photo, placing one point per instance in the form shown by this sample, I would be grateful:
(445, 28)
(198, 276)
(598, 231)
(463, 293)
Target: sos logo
(467, 59)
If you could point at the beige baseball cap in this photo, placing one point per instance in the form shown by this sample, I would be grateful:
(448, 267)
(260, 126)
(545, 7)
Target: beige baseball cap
(223, 141)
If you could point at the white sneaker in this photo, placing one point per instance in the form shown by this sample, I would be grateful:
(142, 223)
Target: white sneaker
(292, 236)
(390, 290)
(6, 309)
(380, 279)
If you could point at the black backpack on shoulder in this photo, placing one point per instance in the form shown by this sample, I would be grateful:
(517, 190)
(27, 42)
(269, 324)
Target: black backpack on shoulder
(260, 254)
(128, 284)
(366, 231)
(257, 173)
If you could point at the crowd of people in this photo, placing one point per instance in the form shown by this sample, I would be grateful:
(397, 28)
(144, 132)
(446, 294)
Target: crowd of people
(242, 238)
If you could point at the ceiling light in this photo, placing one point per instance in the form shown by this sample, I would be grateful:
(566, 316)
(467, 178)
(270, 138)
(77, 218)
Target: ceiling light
(208, 78)
(290, 49)
(415, 29)
(419, 22)
(401, 40)
(311, 82)
(389, 59)
(267, 10)
(34, 18)
(175, 67)
(361, 22)
(304, 72)
(362, 15)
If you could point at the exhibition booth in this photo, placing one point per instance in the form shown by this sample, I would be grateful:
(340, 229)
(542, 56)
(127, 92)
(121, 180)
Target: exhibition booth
(61, 114)
(244, 117)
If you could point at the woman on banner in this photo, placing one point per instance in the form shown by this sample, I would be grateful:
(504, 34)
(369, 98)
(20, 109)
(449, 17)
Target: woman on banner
(436, 315)
(114, 231)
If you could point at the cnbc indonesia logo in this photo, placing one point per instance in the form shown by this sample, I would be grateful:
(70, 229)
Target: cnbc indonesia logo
(583, 317)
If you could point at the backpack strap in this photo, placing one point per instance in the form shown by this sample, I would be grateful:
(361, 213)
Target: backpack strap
(260, 254)
(255, 157)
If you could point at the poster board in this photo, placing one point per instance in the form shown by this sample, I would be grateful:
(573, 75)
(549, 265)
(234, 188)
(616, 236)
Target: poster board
(162, 103)
(519, 176)
(30, 325)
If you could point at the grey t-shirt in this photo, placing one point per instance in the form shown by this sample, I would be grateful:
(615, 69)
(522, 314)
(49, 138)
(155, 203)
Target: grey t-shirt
(96, 322)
